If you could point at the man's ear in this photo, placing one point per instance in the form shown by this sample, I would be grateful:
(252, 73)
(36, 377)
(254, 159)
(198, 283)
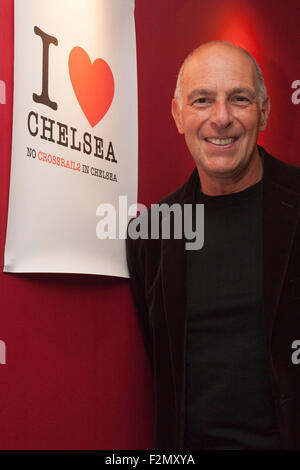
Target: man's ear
(264, 114)
(177, 115)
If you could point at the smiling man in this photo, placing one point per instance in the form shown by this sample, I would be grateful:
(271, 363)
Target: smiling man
(220, 106)
(219, 323)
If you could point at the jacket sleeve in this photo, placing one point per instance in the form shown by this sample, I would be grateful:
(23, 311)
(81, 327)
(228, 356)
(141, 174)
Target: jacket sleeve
(135, 254)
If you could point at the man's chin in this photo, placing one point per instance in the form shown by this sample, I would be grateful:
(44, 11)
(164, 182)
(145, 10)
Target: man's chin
(220, 169)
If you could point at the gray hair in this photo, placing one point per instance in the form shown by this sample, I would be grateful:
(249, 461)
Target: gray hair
(262, 92)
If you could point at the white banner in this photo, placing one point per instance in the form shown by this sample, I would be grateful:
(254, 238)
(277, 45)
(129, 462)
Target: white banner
(74, 145)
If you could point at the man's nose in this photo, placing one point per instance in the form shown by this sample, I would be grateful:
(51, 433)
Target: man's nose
(221, 114)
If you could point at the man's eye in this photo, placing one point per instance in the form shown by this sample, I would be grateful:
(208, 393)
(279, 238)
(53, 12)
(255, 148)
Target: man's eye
(201, 101)
(241, 99)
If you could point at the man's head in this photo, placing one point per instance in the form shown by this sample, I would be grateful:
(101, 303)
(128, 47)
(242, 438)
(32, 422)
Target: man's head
(220, 105)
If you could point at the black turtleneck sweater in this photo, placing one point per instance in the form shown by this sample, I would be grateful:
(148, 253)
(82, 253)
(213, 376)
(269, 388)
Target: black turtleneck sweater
(229, 403)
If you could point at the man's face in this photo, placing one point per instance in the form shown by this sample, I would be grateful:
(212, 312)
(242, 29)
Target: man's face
(220, 114)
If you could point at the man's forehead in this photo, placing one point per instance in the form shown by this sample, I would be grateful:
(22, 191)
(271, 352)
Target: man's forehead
(219, 49)
(219, 63)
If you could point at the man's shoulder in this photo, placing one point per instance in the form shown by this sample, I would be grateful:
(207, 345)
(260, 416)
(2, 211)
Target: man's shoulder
(144, 222)
(185, 193)
(283, 174)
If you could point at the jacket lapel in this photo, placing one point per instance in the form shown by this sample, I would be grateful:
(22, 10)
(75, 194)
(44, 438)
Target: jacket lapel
(280, 213)
(173, 269)
(174, 294)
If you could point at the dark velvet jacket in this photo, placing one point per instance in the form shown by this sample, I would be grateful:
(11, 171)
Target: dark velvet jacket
(157, 270)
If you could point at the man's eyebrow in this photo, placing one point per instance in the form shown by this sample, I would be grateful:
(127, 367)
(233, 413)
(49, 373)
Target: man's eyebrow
(199, 91)
(206, 92)
(247, 90)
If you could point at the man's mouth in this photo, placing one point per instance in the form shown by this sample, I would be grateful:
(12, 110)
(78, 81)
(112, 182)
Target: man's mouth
(221, 142)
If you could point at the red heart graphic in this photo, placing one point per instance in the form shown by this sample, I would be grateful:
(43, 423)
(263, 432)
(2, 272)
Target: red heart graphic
(93, 84)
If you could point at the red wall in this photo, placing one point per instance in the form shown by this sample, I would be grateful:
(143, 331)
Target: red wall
(76, 375)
